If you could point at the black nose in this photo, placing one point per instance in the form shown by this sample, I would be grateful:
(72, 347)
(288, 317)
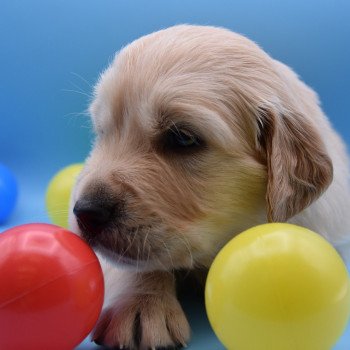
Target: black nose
(93, 216)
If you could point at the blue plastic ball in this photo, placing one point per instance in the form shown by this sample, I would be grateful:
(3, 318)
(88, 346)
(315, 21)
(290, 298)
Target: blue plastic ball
(8, 193)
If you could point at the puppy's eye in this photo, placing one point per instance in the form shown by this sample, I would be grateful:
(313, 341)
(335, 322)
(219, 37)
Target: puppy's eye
(181, 140)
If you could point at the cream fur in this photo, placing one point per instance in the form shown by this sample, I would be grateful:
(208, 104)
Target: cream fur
(271, 154)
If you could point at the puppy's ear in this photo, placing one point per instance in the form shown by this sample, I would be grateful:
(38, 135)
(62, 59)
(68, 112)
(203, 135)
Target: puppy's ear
(298, 167)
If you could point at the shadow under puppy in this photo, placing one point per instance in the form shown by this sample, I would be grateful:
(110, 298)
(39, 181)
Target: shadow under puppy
(199, 136)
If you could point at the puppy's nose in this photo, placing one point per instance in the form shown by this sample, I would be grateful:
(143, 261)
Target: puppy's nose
(93, 216)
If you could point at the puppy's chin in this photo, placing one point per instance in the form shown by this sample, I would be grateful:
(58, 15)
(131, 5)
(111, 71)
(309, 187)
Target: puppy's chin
(124, 259)
(128, 263)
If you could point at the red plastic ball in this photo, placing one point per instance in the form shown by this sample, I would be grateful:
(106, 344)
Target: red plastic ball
(51, 288)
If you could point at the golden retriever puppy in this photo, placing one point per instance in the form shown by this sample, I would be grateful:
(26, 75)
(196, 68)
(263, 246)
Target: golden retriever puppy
(199, 135)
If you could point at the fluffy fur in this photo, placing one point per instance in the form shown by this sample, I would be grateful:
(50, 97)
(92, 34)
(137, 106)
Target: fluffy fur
(268, 153)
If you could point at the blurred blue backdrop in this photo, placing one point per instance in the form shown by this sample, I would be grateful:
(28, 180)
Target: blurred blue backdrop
(53, 51)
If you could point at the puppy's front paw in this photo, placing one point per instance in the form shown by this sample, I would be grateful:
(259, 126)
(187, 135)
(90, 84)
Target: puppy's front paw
(145, 322)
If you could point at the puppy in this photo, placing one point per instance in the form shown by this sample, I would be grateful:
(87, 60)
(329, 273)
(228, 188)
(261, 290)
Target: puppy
(199, 136)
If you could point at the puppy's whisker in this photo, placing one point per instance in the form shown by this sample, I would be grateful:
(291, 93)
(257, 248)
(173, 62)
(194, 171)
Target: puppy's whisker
(162, 265)
(175, 126)
(78, 87)
(78, 114)
(83, 79)
(144, 242)
(148, 255)
(130, 242)
(77, 92)
(122, 253)
(187, 245)
(169, 254)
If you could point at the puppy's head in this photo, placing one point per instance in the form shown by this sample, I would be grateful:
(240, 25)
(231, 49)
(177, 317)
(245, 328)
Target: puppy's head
(199, 135)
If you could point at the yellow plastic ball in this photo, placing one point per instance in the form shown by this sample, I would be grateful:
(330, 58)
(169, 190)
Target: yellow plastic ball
(278, 287)
(58, 194)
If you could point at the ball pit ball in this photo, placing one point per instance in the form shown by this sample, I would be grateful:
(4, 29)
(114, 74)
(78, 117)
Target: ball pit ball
(8, 193)
(51, 288)
(58, 194)
(278, 286)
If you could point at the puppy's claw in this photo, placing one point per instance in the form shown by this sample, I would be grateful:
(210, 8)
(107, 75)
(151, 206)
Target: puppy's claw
(139, 324)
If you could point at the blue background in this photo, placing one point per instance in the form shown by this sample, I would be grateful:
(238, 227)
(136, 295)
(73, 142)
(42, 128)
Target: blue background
(51, 53)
